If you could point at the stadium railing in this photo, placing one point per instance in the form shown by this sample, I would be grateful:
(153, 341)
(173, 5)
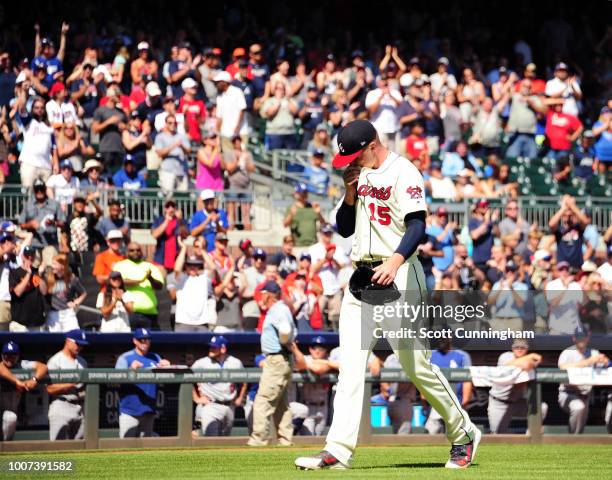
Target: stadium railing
(94, 378)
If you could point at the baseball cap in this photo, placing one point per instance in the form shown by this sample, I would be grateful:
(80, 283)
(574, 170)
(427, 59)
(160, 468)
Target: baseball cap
(531, 67)
(259, 252)
(511, 267)
(318, 152)
(271, 287)
(92, 163)
(306, 256)
(357, 53)
(239, 52)
(8, 226)
(221, 237)
(442, 212)
(207, 194)
(562, 265)
(4, 236)
(482, 204)
(243, 62)
(330, 57)
(115, 275)
(321, 126)
(223, 77)
(301, 188)
(502, 69)
(66, 164)
(435, 165)
(186, 45)
(244, 244)
(589, 267)
(414, 61)
(39, 185)
(142, 333)
(319, 340)
(77, 336)
(143, 46)
(327, 228)
(188, 83)
(114, 234)
(520, 342)
(10, 348)
(29, 251)
(588, 134)
(312, 88)
(56, 87)
(582, 331)
(152, 89)
(488, 171)
(194, 260)
(217, 341)
(170, 203)
(352, 140)
(561, 66)
(443, 61)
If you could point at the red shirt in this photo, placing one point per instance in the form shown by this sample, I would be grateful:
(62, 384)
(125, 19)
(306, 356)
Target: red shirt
(195, 113)
(415, 146)
(232, 69)
(537, 86)
(559, 126)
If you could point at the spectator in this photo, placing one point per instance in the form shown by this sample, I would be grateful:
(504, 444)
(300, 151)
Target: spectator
(66, 402)
(605, 269)
(442, 81)
(281, 75)
(564, 296)
(464, 273)
(63, 186)
(458, 160)
(602, 130)
(182, 69)
(249, 279)
(166, 231)
(522, 122)
(508, 401)
(216, 402)
(562, 130)
(38, 157)
(259, 71)
(169, 108)
(312, 286)
(83, 91)
(211, 164)
(328, 260)
(382, 104)
(400, 397)
(148, 104)
(136, 139)
(568, 226)
(229, 314)
(208, 71)
(59, 111)
(194, 295)
(79, 235)
(584, 157)
(575, 399)
(537, 85)
(439, 186)
(315, 175)
(594, 311)
(231, 111)
(109, 122)
(565, 87)
(509, 297)
(311, 113)
(42, 216)
(143, 65)
(8, 262)
(246, 259)
(93, 182)
(208, 221)
(72, 147)
(106, 260)
(220, 256)
(239, 166)
(483, 228)
(45, 55)
(302, 217)
(514, 229)
(321, 140)
(284, 259)
(193, 110)
(27, 295)
(470, 94)
(427, 251)
(141, 278)
(444, 232)
(280, 111)
(114, 221)
(243, 80)
(65, 293)
(129, 178)
(173, 148)
(487, 126)
(137, 401)
(115, 304)
(12, 387)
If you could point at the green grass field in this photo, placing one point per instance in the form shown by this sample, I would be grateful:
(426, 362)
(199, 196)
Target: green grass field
(524, 462)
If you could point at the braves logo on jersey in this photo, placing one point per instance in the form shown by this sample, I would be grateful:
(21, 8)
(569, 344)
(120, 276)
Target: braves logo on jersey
(415, 192)
(381, 193)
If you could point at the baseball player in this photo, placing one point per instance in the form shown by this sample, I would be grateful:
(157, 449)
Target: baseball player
(384, 207)
(67, 399)
(137, 401)
(11, 387)
(216, 401)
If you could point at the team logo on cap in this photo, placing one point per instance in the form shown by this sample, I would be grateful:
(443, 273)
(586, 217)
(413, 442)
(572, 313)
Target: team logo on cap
(415, 192)
(341, 147)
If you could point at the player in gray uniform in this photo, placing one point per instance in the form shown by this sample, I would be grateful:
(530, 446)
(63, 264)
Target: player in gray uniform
(11, 387)
(315, 396)
(574, 399)
(507, 401)
(67, 399)
(400, 397)
(216, 401)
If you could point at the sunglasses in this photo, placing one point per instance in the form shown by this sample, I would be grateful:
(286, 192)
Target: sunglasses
(135, 250)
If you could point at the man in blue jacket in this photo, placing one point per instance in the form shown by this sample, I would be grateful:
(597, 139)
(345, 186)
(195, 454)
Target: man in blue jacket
(137, 401)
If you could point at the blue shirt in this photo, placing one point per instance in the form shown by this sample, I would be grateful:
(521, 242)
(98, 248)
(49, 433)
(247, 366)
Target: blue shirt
(137, 399)
(453, 164)
(314, 115)
(505, 304)
(89, 101)
(442, 263)
(210, 231)
(122, 180)
(52, 66)
(278, 317)
(317, 179)
(450, 359)
(603, 147)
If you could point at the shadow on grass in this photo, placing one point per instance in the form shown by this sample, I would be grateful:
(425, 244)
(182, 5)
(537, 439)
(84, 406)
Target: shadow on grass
(404, 465)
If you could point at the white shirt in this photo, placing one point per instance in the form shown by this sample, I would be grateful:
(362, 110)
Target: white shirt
(443, 188)
(192, 301)
(556, 87)
(160, 122)
(118, 321)
(564, 316)
(57, 113)
(606, 272)
(229, 105)
(384, 197)
(64, 190)
(219, 391)
(329, 275)
(385, 119)
(436, 83)
(572, 355)
(38, 144)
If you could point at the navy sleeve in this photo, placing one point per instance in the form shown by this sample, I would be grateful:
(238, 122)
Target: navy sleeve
(415, 234)
(345, 220)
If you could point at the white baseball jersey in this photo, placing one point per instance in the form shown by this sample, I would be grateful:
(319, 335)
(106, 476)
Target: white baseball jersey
(60, 361)
(384, 197)
(315, 393)
(218, 391)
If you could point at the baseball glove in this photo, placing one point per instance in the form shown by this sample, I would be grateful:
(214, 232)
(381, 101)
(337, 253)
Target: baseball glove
(362, 288)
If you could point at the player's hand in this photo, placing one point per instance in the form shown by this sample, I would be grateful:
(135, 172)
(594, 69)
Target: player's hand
(30, 384)
(385, 274)
(20, 386)
(350, 178)
(136, 364)
(164, 363)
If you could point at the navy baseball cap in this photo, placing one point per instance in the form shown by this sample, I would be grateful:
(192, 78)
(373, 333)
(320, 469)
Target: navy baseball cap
(582, 332)
(318, 152)
(66, 164)
(301, 188)
(271, 287)
(218, 341)
(259, 252)
(306, 256)
(142, 333)
(319, 340)
(4, 236)
(8, 226)
(29, 251)
(352, 140)
(10, 348)
(77, 336)
(327, 228)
